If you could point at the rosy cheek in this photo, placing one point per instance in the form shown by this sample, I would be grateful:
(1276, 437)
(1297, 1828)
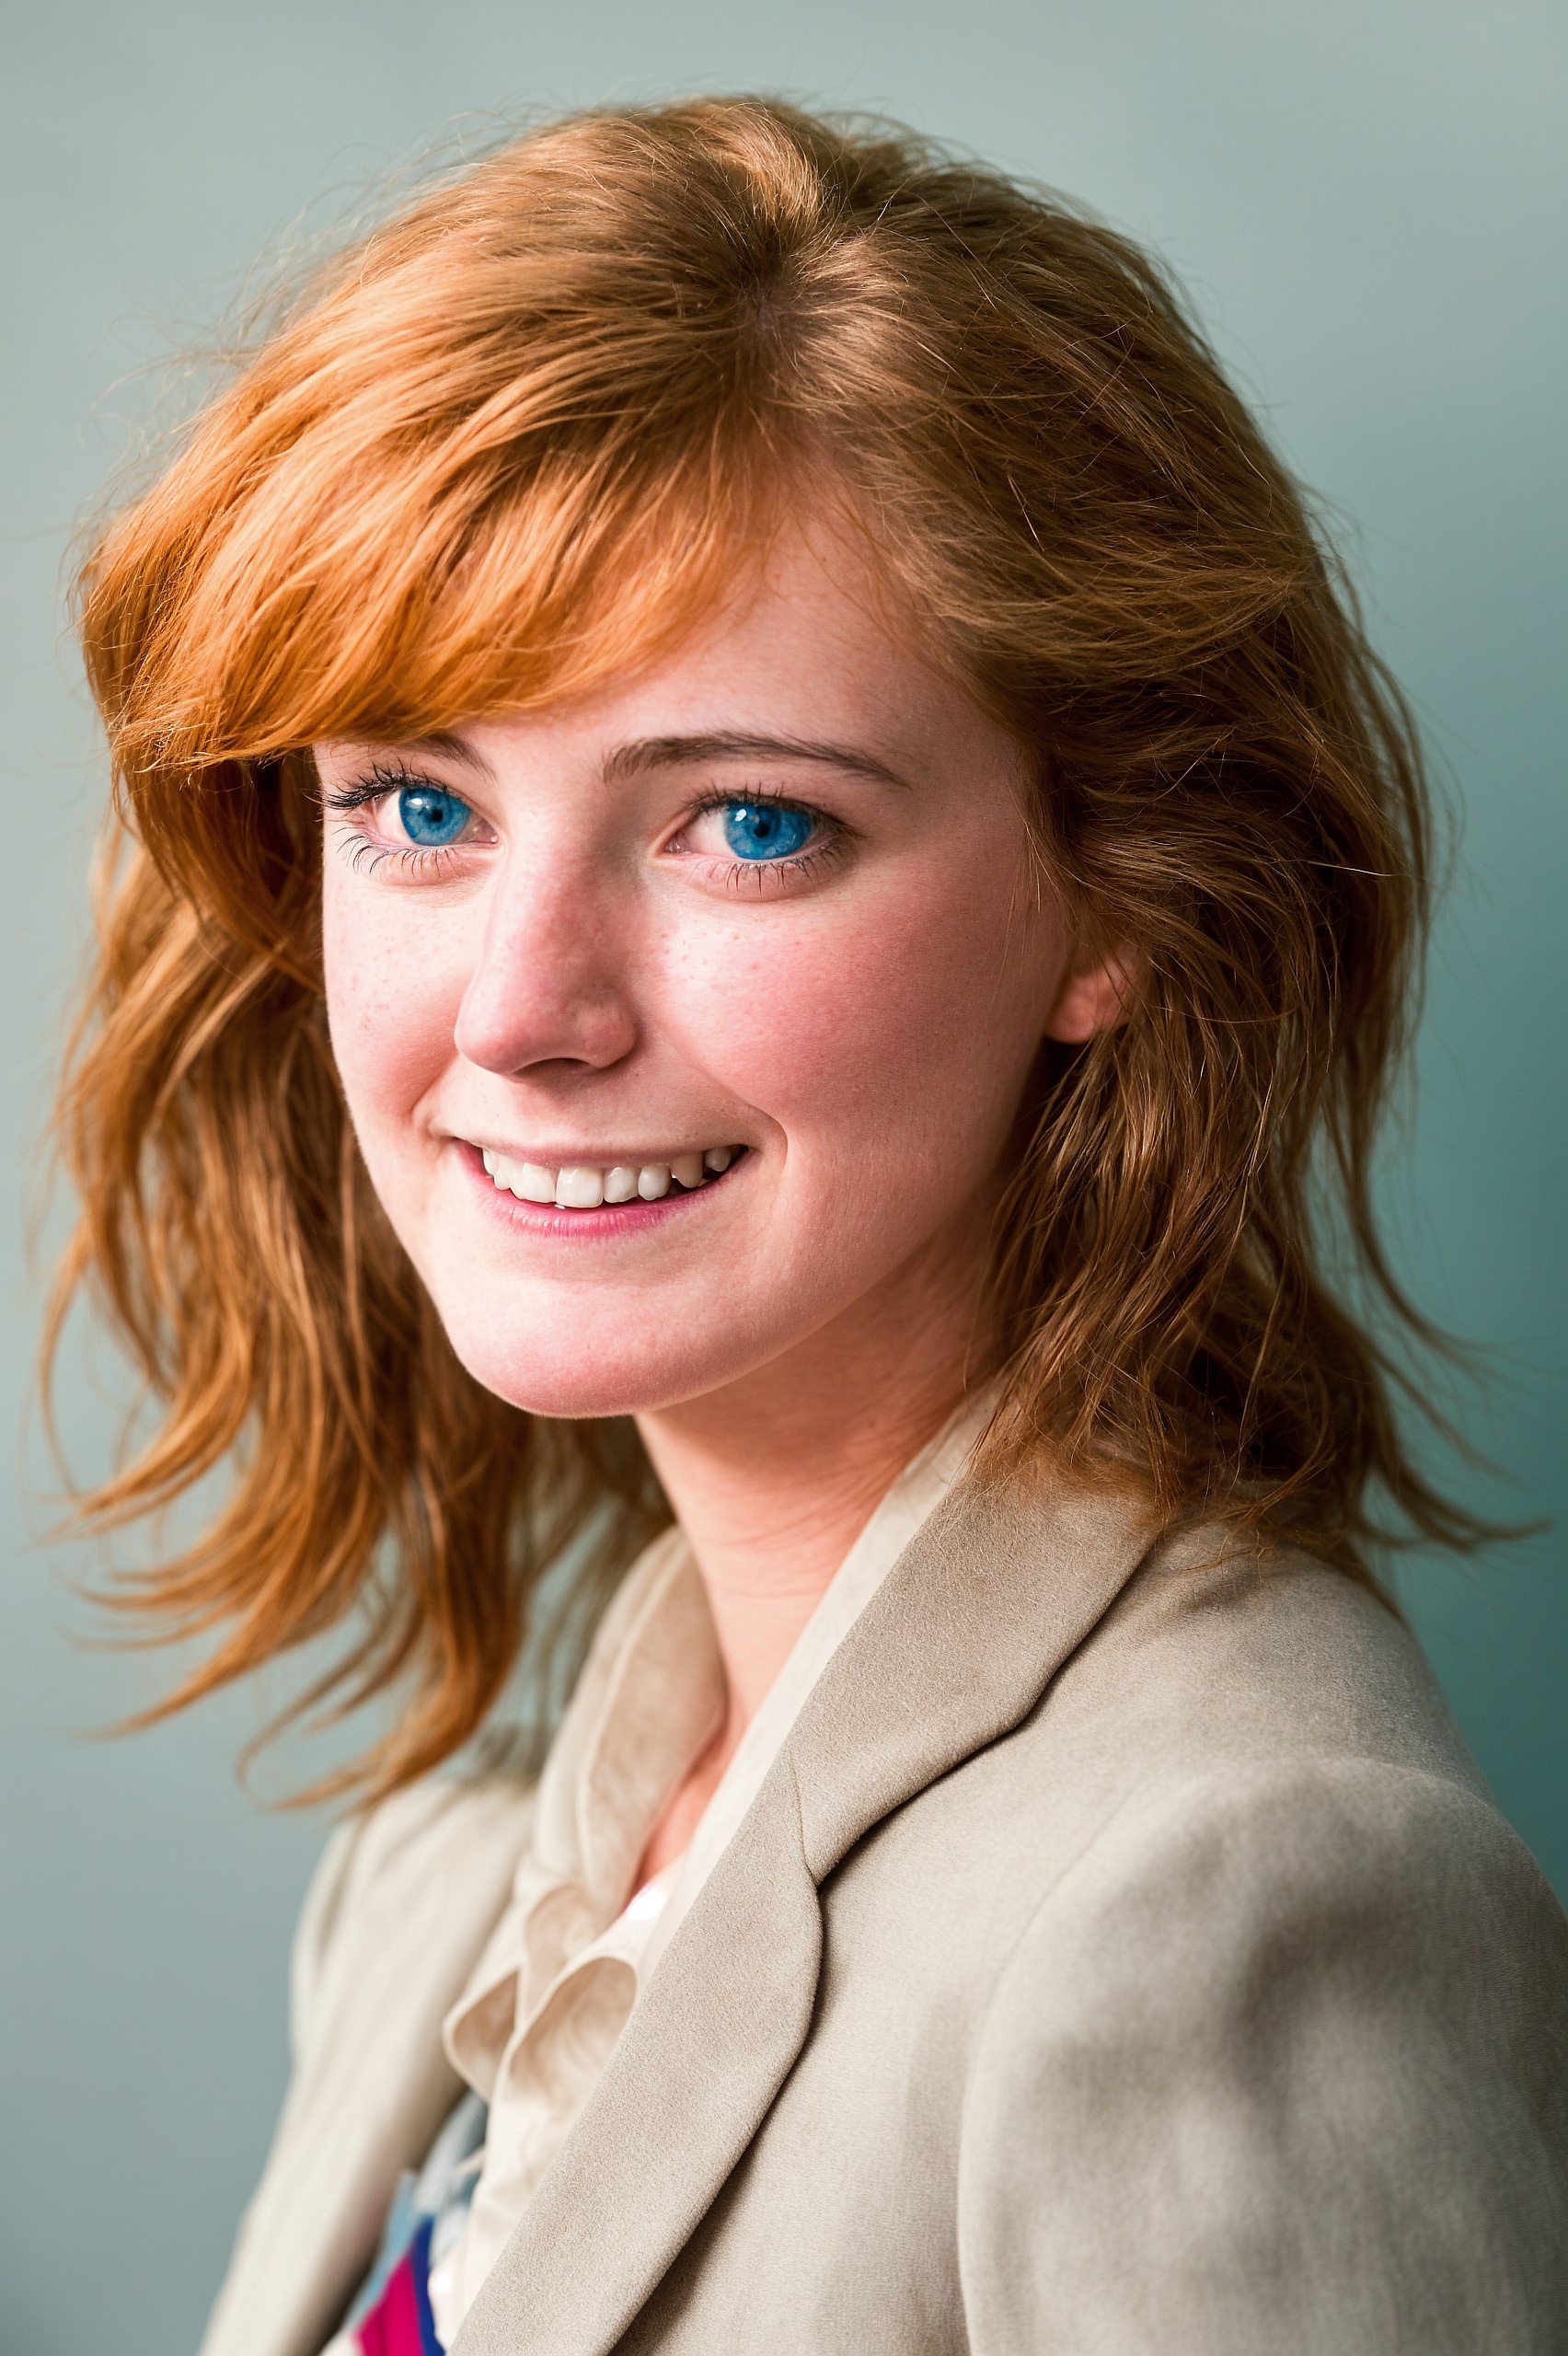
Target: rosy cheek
(391, 1007)
(912, 1018)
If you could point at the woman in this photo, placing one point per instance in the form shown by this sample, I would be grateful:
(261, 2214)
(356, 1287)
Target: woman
(764, 874)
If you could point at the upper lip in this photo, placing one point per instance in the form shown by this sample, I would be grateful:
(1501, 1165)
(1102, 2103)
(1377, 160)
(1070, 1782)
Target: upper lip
(593, 1157)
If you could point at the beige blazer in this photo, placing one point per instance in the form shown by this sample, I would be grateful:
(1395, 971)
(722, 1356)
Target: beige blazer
(1123, 1958)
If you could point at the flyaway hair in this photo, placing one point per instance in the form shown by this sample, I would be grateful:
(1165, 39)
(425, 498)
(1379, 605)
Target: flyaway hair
(522, 435)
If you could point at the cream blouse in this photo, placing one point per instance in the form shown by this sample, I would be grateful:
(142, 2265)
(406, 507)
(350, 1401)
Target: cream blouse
(561, 1974)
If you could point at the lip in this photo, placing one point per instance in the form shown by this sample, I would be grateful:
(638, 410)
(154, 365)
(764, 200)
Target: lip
(612, 1222)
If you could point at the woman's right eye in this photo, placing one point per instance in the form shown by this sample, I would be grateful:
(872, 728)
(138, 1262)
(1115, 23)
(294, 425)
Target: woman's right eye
(430, 818)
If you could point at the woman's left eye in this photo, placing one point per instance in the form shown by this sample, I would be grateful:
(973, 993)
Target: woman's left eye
(432, 817)
(759, 830)
(778, 845)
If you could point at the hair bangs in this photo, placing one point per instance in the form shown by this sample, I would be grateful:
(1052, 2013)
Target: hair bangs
(393, 591)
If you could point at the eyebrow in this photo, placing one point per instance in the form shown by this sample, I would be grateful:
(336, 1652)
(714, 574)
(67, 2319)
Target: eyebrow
(672, 752)
(450, 747)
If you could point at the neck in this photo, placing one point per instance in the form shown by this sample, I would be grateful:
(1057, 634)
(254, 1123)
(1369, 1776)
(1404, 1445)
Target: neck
(774, 1478)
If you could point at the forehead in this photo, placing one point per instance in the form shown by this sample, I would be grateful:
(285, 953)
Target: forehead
(805, 657)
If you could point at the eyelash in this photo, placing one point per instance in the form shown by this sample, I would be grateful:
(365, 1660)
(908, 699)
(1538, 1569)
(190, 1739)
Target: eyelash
(415, 859)
(367, 857)
(818, 859)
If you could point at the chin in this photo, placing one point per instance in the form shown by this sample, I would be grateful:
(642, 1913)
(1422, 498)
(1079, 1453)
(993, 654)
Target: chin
(580, 1381)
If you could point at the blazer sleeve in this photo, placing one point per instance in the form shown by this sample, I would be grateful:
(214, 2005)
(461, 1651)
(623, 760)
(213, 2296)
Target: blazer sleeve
(400, 1905)
(1280, 2065)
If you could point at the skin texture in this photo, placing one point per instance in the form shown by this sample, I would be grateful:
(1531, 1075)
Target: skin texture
(590, 975)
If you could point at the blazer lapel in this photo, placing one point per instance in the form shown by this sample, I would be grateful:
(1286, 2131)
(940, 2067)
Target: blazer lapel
(974, 1619)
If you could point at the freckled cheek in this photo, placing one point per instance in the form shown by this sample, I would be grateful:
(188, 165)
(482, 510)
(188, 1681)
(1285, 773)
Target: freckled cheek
(392, 1002)
(893, 1028)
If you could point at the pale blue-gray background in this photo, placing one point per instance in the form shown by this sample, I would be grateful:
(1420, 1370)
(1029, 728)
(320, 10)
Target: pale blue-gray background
(1367, 199)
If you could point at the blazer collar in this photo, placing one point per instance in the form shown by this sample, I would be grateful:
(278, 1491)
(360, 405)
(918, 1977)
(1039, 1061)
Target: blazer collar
(997, 1588)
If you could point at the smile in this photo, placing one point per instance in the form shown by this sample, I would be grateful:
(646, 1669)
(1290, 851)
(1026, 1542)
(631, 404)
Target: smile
(585, 1185)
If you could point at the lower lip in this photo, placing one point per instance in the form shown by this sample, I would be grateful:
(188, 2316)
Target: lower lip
(610, 1222)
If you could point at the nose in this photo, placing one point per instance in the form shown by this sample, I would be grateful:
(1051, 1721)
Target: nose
(551, 983)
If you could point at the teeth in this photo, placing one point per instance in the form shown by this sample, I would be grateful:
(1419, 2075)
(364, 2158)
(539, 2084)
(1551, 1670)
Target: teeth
(582, 1187)
(578, 1189)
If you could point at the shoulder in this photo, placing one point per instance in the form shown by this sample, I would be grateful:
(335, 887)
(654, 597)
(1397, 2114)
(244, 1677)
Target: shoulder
(1264, 1713)
(429, 1867)
(1243, 1743)
(1287, 2044)
(1228, 1677)
(1216, 1658)
(402, 1901)
(1228, 1889)
(1283, 2024)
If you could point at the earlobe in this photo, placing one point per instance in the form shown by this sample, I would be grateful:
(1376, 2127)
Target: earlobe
(1091, 1001)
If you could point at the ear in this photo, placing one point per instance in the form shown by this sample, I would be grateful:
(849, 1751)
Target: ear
(1092, 998)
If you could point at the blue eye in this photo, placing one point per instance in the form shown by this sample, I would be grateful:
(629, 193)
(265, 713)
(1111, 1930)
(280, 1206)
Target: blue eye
(766, 829)
(430, 818)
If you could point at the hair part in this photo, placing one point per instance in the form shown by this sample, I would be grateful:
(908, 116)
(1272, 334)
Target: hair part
(520, 437)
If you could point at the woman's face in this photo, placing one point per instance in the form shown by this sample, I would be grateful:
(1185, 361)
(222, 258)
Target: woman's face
(677, 1021)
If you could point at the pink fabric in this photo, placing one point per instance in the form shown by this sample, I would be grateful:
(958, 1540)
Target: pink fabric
(399, 2324)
